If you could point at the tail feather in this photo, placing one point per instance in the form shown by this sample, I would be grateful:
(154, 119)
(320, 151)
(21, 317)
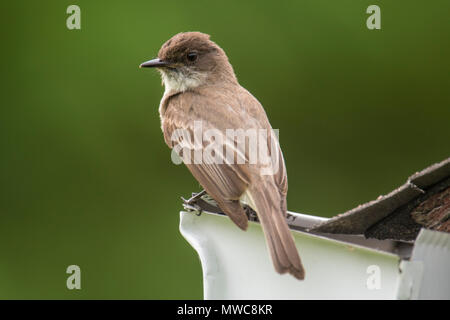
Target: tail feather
(267, 203)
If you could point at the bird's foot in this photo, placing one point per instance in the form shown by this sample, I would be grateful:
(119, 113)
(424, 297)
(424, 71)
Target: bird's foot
(192, 208)
(191, 205)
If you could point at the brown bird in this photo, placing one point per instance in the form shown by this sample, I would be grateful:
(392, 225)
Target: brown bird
(201, 87)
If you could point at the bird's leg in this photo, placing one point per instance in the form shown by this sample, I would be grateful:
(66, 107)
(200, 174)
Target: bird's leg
(193, 207)
(198, 195)
(190, 204)
(194, 197)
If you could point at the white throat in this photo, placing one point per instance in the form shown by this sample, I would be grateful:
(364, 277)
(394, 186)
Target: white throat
(180, 81)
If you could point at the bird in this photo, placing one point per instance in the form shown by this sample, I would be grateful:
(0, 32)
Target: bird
(201, 88)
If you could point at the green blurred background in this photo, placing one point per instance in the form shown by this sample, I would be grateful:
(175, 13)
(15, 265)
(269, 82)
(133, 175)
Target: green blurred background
(86, 178)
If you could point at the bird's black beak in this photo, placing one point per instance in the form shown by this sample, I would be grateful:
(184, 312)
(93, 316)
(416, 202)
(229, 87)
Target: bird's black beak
(155, 63)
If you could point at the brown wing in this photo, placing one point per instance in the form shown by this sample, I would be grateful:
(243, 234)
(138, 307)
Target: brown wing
(254, 108)
(224, 182)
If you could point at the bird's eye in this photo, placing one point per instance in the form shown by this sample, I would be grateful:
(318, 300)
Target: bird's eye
(192, 56)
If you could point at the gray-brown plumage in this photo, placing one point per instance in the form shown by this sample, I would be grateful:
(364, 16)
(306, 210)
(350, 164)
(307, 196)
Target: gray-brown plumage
(200, 85)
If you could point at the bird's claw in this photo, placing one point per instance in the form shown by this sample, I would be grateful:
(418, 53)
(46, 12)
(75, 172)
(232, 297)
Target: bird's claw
(191, 205)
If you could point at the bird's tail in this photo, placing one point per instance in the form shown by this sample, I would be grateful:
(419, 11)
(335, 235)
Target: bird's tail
(270, 207)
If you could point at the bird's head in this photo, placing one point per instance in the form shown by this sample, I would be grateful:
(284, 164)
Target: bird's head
(189, 60)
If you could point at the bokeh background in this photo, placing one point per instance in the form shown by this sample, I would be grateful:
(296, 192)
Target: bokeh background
(86, 178)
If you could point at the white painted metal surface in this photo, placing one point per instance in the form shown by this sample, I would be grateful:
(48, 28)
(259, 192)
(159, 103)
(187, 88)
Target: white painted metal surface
(236, 264)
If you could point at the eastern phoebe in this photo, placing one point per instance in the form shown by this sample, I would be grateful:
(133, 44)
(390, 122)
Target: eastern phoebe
(201, 88)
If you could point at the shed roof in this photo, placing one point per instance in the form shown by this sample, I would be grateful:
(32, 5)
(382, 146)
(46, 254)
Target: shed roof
(423, 201)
